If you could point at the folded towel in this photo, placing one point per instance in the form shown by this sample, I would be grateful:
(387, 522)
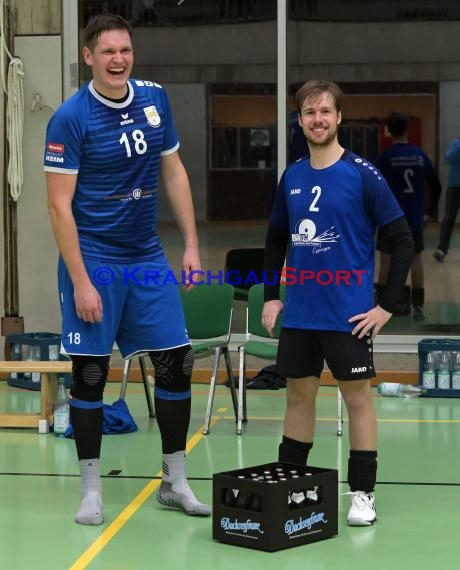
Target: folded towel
(117, 419)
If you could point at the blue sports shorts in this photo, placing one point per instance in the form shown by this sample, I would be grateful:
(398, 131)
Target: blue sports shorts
(142, 309)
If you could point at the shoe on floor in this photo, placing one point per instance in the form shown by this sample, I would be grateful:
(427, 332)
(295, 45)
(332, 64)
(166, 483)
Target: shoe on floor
(439, 255)
(362, 510)
(417, 313)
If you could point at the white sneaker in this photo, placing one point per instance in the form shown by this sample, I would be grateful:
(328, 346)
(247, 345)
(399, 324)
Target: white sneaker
(362, 510)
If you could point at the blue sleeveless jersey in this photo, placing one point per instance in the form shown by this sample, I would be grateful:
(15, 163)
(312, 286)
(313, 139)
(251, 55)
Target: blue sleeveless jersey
(332, 215)
(407, 169)
(115, 149)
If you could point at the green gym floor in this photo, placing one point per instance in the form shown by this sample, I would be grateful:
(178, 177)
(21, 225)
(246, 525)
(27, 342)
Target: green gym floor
(417, 493)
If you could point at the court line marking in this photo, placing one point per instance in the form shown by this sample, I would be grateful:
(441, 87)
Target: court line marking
(117, 524)
(74, 476)
(396, 420)
(344, 482)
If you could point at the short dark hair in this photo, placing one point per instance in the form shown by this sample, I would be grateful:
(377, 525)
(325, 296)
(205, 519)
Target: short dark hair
(315, 88)
(101, 23)
(397, 124)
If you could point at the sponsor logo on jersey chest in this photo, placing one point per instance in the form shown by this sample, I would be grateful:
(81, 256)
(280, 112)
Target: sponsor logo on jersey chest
(137, 194)
(125, 120)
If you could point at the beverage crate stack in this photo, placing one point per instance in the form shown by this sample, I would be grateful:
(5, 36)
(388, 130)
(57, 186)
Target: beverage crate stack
(34, 346)
(275, 506)
(439, 367)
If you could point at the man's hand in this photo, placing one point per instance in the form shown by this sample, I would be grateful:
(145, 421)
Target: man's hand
(270, 313)
(88, 304)
(373, 321)
(190, 262)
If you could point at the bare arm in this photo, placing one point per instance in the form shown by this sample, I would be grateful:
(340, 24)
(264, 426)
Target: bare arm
(179, 194)
(61, 188)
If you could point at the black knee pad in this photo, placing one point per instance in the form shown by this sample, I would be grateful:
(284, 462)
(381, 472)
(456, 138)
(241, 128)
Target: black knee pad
(89, 375)
(173, 368)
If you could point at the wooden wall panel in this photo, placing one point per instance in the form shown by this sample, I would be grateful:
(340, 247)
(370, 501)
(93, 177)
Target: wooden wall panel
(36, 17)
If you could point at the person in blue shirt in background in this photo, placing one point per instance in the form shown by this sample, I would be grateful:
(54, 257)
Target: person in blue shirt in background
(452, 159)
(298, 146)
(410, 175)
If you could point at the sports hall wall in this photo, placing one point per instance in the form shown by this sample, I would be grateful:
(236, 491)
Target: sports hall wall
(188, 61)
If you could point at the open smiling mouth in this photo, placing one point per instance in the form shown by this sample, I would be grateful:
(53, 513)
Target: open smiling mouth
(116, 71)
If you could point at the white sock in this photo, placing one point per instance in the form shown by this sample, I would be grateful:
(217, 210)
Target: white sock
(174, 472)
(90, 511)
(174, 475)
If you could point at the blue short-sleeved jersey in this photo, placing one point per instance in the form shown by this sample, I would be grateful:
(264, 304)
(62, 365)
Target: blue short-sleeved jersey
(332, 215)
(452, 158)
(407, 169)
(115, 149)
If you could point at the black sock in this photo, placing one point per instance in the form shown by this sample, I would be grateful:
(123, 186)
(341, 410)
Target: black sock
(418, 296)
(87, 427)
(173, 417)
(293, 451)
(362, 470)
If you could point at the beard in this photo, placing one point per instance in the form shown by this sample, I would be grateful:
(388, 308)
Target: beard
(323, 143)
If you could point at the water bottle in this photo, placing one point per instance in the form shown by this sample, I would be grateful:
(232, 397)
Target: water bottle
(61, 410)
(456, 371)
(26, 356)
(255, 502)
(229, 497)
(32, 353)
(444, 371)
(395, 390)
(296, 499)
(16, 354)
(312, 496)
(241, 497)
(53, 352)
(429, 373)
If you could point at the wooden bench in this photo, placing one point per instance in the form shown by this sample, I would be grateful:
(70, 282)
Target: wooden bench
(49, 369)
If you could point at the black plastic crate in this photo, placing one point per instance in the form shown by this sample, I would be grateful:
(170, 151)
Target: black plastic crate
(437, 346)
(254, 507)
(47, 346)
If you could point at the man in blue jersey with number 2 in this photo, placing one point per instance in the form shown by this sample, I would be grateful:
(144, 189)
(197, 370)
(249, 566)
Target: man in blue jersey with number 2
(326, 213)
(105, 149)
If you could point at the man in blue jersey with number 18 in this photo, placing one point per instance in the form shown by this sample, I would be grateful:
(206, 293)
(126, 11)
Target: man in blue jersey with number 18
(105, 149)
(326, 213)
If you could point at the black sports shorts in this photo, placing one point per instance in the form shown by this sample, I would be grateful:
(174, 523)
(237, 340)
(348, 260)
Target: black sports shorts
(302, 353)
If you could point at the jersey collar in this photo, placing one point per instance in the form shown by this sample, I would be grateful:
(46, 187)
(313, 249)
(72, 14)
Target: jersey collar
(109, 103)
